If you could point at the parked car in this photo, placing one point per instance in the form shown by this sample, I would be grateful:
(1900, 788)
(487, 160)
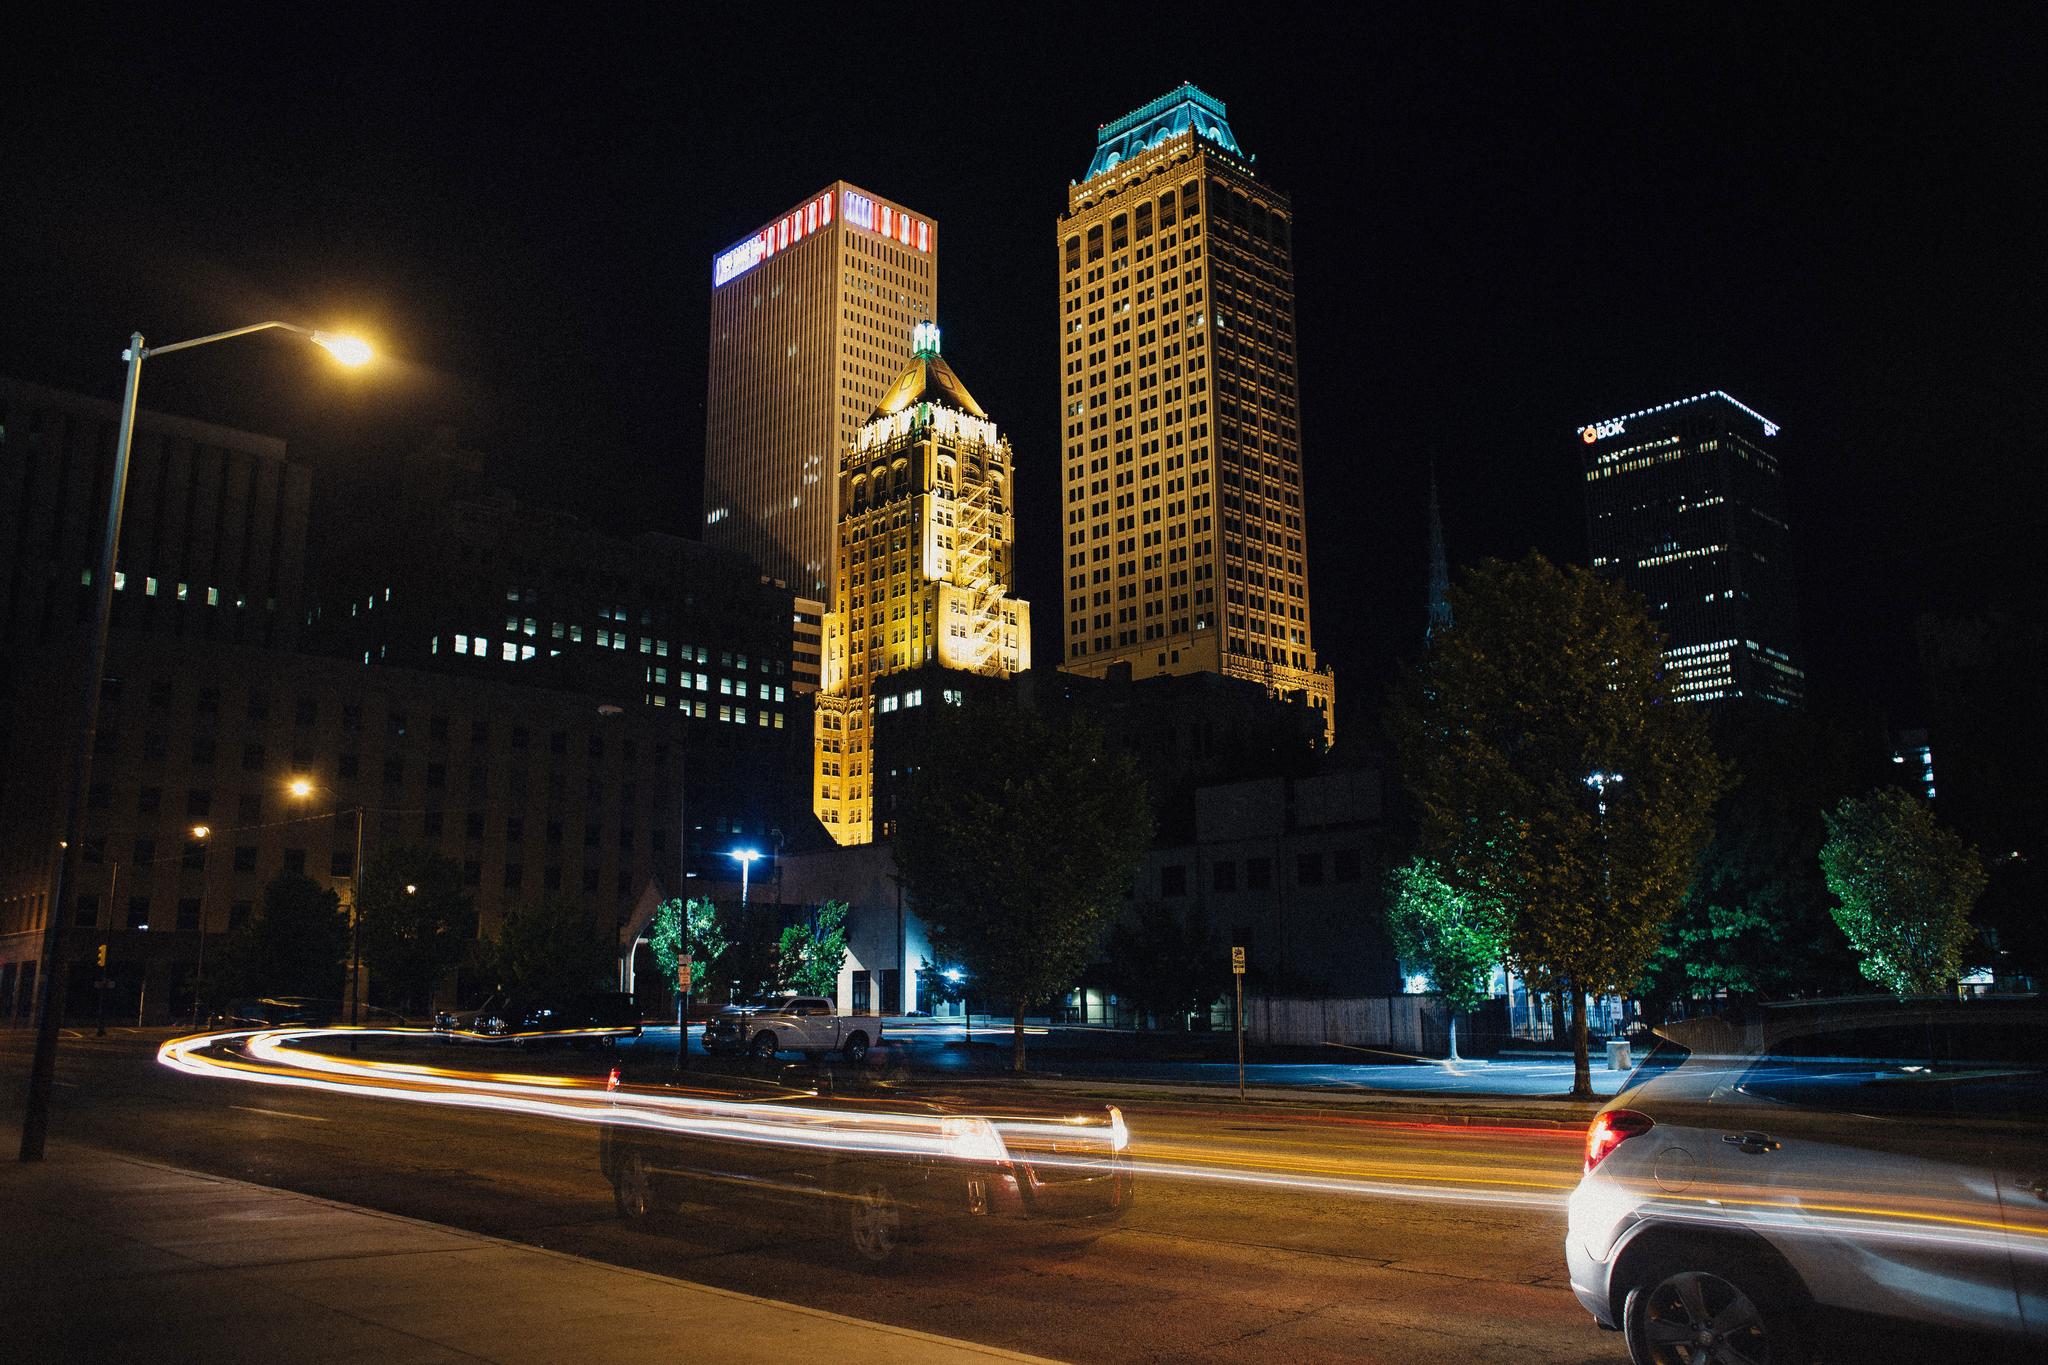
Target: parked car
(1762, 1185)
(792, 1023)
(879, 1178)
(612, 1014)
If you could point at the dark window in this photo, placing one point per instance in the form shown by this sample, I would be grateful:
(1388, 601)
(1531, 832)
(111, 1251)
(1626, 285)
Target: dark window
(472, 873)
(590, 879)
(198, 802)
(160, 693)
(208, 701)
(394, 771)
(394, 724)
(99, 796)
(515, 829)
(657, 839)
(555, 833)
(148, 799)
(1258, 874)
(1173, 879)
(245, 857)
(239, 913)
(479, 732)
(597, 746)
(195, 855)
(1308, 869)
(203, 748)
(249, 809)
(259, 706)
(1223, 875)
(351, 718)
(85, 912)
(473, 825)
(1344, 865)
(346, 765)
(551, 878)
(625, 838)
(155, 746)
(437, 775)
(295, 861)
(437, 729)
(138, 912)
(94, 849)
(514, 873)
(590, 836)
(188, 914)
(305, 711)
(252, 758)
(106, 740)
(558, 742)
(519, 736)
(625, 883)
(342, 862)
(145, 851)
(431, 824)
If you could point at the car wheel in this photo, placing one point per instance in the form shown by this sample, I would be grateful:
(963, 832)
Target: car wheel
(633, 1188)
(1712, 1312)
(875, 1223)
(857, 1048)
(764, 1043)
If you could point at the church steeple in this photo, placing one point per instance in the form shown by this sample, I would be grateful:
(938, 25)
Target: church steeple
(1439, 567)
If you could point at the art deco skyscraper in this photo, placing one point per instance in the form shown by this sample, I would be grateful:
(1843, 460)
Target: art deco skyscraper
(1185, 549)
(1685, 504)
(921, 573)
(810, 321)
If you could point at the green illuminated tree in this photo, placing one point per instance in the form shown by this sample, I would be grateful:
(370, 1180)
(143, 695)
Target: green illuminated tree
(416, 924)
(1549, 677)
(693, 926)
(554, 950)
(811, 953)
(1019, 840)
(1454, 939)
(1904, 886)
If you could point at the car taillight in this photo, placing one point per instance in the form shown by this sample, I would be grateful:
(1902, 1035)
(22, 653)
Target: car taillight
(1612, 1129)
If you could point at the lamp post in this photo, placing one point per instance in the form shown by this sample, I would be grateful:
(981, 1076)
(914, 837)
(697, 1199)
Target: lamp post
(199, 836)
(301, 788)
(1600, 781)
(35, 1117)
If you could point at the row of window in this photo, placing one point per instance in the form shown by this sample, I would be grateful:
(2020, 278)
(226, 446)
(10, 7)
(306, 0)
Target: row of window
(1344, 865)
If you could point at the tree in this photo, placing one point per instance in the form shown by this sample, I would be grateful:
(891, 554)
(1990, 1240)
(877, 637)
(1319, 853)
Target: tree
(1167, 965)
(1904, 886)
(694, 926)
(1557, 783)
(810, 954)
(1019, 838)
(1454, 939)
(295, 946)
(553, 950)
(415, 921)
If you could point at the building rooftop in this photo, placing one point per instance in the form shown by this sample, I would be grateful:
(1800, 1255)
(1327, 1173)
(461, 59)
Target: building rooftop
(928, 380)
(1178, 111)
(1615, 426)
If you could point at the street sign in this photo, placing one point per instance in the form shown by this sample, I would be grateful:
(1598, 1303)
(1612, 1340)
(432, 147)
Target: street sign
(103, 955)
(683, 965)
(1237, 961)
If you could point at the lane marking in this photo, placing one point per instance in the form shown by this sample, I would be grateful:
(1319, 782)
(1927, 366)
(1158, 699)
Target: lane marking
(279, 1113)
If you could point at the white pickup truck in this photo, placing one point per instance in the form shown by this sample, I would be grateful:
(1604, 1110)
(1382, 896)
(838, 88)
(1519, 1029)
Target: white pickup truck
(792, 1023)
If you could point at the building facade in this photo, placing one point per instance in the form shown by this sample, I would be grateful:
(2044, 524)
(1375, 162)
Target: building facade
(810, 323)
(1186, 542)
(531, 792)
(923, 571)
(1685, 503)
(486, 589)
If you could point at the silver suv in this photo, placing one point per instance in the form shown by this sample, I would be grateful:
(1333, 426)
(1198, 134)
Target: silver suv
(1764, 1186)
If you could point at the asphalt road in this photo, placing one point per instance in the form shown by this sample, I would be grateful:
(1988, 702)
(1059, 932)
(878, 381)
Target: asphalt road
(1286, 1232)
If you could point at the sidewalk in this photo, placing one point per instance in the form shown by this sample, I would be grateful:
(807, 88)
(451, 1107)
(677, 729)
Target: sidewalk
(109, 1258)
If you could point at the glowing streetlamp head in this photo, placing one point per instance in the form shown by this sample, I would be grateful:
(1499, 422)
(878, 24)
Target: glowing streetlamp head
(412, 889)
(300, 787)
(745, 855)
(348, 350)
(201, 831)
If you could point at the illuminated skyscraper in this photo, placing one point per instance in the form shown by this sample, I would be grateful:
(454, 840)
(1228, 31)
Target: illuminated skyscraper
(922, 572)
(1185, 545)
(810, 319)
(1684, 503)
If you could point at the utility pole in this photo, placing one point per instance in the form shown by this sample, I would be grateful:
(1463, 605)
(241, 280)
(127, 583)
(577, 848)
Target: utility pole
(1237, 977)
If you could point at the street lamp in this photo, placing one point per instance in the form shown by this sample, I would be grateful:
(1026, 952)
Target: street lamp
(200, 833)
(302, 788)
(35, 1117)
(747, 858)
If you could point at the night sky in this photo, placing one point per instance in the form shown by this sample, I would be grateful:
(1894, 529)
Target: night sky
(1510, 221)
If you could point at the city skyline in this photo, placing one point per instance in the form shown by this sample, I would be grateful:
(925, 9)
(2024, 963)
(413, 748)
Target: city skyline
(1475, 280)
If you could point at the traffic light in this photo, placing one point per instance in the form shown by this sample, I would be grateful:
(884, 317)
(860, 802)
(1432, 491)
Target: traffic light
(103, 955)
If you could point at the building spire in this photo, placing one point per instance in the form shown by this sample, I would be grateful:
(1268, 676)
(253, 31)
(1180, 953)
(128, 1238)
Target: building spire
(1439, 567)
